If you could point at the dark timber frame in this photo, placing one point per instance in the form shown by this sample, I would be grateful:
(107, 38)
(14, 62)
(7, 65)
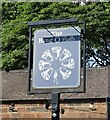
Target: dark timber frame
(44, 24)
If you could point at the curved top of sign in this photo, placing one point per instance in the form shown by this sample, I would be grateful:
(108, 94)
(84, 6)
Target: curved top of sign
(57, 32)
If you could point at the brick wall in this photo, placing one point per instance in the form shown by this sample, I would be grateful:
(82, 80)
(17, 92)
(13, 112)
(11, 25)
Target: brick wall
(72, 110)
(14, 90)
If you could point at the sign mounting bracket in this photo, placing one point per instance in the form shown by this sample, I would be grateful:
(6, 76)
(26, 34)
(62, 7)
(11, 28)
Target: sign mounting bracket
(56, 94)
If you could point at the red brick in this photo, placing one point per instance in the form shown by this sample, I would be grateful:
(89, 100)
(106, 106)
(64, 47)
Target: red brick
(5, 105)
(16, 115)
(96, 115)
(34, 105)
(28, 115)
(27, 105)
(5, 115)
(38, 115)
(21, 109)
(0, 110)
(65, 108)
(63, 105)
(36, 109)
(101, 109)
(70, 115)
(4, 109)
(41, 105)
(0, 116)
(43, 115)
(19, 105)
(83, 115)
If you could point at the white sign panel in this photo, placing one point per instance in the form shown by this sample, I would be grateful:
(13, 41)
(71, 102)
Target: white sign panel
(56, 62)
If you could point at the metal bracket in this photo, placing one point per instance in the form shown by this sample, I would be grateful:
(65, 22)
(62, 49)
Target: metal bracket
(55, 106)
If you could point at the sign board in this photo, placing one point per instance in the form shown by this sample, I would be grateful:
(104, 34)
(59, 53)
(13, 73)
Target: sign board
(56, 61)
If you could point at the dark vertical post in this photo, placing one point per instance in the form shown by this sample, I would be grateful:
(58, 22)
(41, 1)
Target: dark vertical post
(55, 106)
(84, 54)
(30, 58)
(108, 111)
(84, 63)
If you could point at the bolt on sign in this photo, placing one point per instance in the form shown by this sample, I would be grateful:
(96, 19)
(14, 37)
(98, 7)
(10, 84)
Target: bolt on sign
(56, 62)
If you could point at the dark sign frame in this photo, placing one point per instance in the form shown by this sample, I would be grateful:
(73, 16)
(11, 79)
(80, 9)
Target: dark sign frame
(31, 25)
(108, 107)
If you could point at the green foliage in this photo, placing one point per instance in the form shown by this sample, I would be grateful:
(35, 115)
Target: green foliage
(15, 16)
